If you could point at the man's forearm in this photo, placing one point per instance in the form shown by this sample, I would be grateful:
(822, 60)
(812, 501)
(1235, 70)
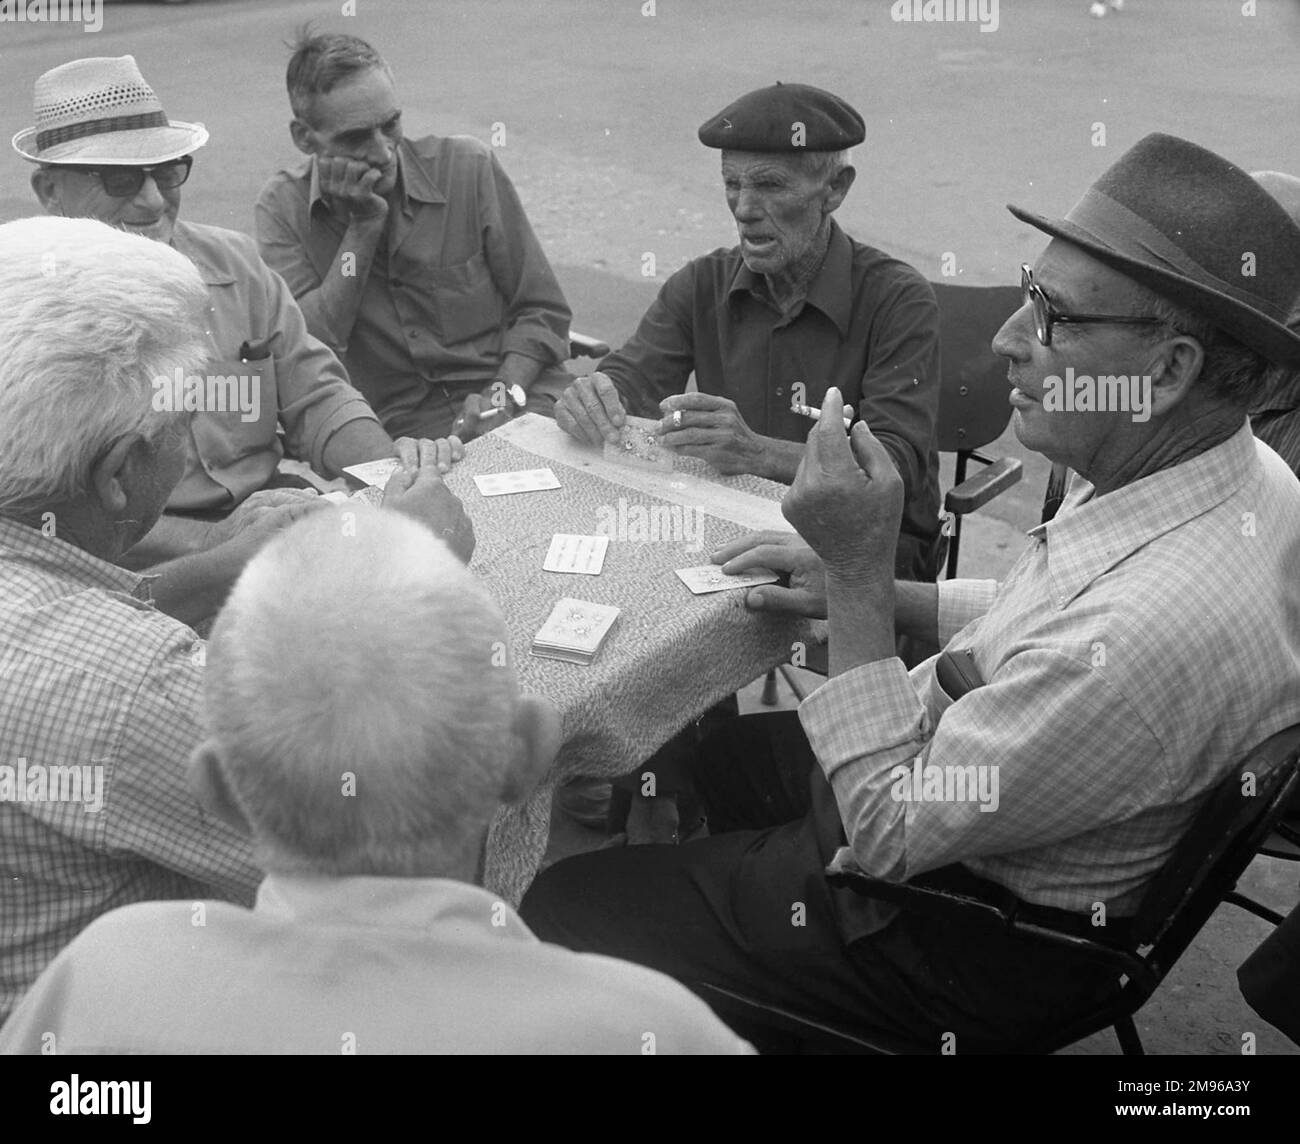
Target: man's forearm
(193, 588)
(861, 621)
(355, 442)
(520, 370)
(331, 309)
(916, 610)
(779, 460)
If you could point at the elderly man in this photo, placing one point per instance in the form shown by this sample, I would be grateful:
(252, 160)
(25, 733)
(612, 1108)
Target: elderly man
(1144, 642)
(413, 260)
(770, 324)
(369, 818)
(99, 705)
(106, 150)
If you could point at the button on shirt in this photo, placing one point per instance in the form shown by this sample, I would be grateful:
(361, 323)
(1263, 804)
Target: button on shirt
(1141, 646)
(351, 965)
(94, 677)
(266, 372)
(869, 325)
(459, 279)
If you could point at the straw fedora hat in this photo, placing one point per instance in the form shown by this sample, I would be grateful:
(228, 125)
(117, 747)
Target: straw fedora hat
(100, 111)
(1197, 230)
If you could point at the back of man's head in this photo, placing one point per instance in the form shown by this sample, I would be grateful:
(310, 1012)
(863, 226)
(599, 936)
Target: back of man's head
(358, 700)
(321, 62)
(89, 316)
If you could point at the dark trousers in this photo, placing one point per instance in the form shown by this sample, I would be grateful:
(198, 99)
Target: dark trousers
(748, 908)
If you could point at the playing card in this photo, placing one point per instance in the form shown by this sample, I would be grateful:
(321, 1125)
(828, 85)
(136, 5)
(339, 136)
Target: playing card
(523, 481)
(374, 473)
(574, 631)
(372, 495)
(710, 578)
(639, 448)
(569, 553)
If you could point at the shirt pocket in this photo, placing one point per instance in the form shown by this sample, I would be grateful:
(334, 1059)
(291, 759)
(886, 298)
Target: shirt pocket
(465, 301)
(239, 414)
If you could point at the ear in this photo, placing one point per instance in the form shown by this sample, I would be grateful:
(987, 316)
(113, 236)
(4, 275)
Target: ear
(537, 736)
(1174, 371)
(301, 134)
(112, 475)
(837, 189)
(46, 185)
(208, 784)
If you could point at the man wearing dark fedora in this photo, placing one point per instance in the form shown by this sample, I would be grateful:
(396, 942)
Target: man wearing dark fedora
(1144, 643)
(105, 149)
(768, 325)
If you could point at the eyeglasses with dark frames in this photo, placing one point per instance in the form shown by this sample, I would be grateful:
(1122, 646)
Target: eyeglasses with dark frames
(125, 182)
(1046, 315)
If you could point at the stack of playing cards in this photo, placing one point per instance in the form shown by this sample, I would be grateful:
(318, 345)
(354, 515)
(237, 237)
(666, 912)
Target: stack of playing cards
(574, 631)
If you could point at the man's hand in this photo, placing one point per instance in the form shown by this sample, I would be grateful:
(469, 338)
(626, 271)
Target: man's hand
(419, 493)
(447, 451)
(710, 427)
(781, 552)
(591, 410)
(478, 414)
(847, 498)
(263, 515)
(349, 186)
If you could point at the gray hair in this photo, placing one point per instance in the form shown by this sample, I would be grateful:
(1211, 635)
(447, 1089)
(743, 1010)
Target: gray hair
(1232, 373)
(825, 165)
(320, 63)
(358, 691)
(89, 316)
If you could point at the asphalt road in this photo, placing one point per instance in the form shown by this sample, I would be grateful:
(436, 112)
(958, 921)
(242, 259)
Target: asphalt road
(600, 103)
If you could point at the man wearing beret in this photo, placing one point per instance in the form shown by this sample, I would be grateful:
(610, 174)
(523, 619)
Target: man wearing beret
(769, 324)
(1144, 642)
(105, 149)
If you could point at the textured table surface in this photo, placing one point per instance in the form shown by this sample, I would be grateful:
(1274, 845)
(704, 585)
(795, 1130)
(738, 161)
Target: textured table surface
(670, 656)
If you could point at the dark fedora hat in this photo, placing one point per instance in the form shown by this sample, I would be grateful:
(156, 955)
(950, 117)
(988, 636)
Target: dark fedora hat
(1198, 231)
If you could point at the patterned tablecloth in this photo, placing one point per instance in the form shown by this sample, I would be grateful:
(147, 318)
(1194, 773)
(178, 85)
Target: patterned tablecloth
(670, 656)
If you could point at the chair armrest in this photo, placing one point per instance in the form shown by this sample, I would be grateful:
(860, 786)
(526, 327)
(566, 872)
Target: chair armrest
(978, 490)
(580, 345)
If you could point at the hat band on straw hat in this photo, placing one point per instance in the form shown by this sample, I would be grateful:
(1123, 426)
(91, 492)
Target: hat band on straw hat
(57, 135)
(1116, 226)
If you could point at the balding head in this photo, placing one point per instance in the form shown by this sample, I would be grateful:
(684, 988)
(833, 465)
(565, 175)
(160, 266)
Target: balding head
(1284, 188)
(362, 715)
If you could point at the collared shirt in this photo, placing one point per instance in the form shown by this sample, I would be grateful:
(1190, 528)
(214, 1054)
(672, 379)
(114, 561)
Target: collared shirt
(350, 965)
(94, 677)
(1141, 646)
(458, 281)
(263, 354)
(869, 325)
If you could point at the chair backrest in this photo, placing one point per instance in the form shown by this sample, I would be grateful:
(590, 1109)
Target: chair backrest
(1221, 842)
(973, 407)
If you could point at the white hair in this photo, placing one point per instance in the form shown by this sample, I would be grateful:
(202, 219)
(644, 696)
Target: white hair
(358, 690)
(826, 165)
(89, 315)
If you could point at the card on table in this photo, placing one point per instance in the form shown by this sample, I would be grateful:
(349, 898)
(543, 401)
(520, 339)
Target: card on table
(711, 578)
(570, 553)
(639, 448)
(574, 631)
(374, 473)
(372, 495)
(523, 481)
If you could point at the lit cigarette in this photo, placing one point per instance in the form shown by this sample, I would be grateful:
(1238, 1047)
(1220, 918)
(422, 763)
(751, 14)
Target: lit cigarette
(815, 414)
(490, 412)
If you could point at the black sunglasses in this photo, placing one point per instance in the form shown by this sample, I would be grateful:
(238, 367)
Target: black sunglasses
(125, 182)
(1046, 315)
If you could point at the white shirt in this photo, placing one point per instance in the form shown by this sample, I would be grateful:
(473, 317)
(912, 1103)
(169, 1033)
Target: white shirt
(343, 965)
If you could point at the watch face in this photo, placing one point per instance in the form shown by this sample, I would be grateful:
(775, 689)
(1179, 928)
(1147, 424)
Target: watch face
(517, 395)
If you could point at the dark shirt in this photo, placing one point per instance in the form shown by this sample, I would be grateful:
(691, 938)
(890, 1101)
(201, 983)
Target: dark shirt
(1275, 419)
(458, 281)
(869, 325)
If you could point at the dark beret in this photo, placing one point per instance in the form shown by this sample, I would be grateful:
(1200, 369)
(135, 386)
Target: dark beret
(785, 117)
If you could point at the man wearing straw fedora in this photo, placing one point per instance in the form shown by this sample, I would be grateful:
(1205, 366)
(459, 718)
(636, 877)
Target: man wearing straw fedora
(1143, 643)
(105, 149)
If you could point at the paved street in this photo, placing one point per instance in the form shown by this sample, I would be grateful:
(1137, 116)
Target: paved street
(599, 106)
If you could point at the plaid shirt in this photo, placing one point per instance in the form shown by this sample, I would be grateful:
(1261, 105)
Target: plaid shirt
(95, 676)
(1144, 642)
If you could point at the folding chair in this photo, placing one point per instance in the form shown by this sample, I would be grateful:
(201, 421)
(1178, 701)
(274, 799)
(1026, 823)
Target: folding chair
(1200, 874)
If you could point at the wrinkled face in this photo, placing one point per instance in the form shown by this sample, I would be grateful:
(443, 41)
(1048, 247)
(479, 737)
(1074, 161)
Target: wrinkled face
(360, 120)
(777, 208)
(1074, 282)
(151, 211)
(155, 471)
